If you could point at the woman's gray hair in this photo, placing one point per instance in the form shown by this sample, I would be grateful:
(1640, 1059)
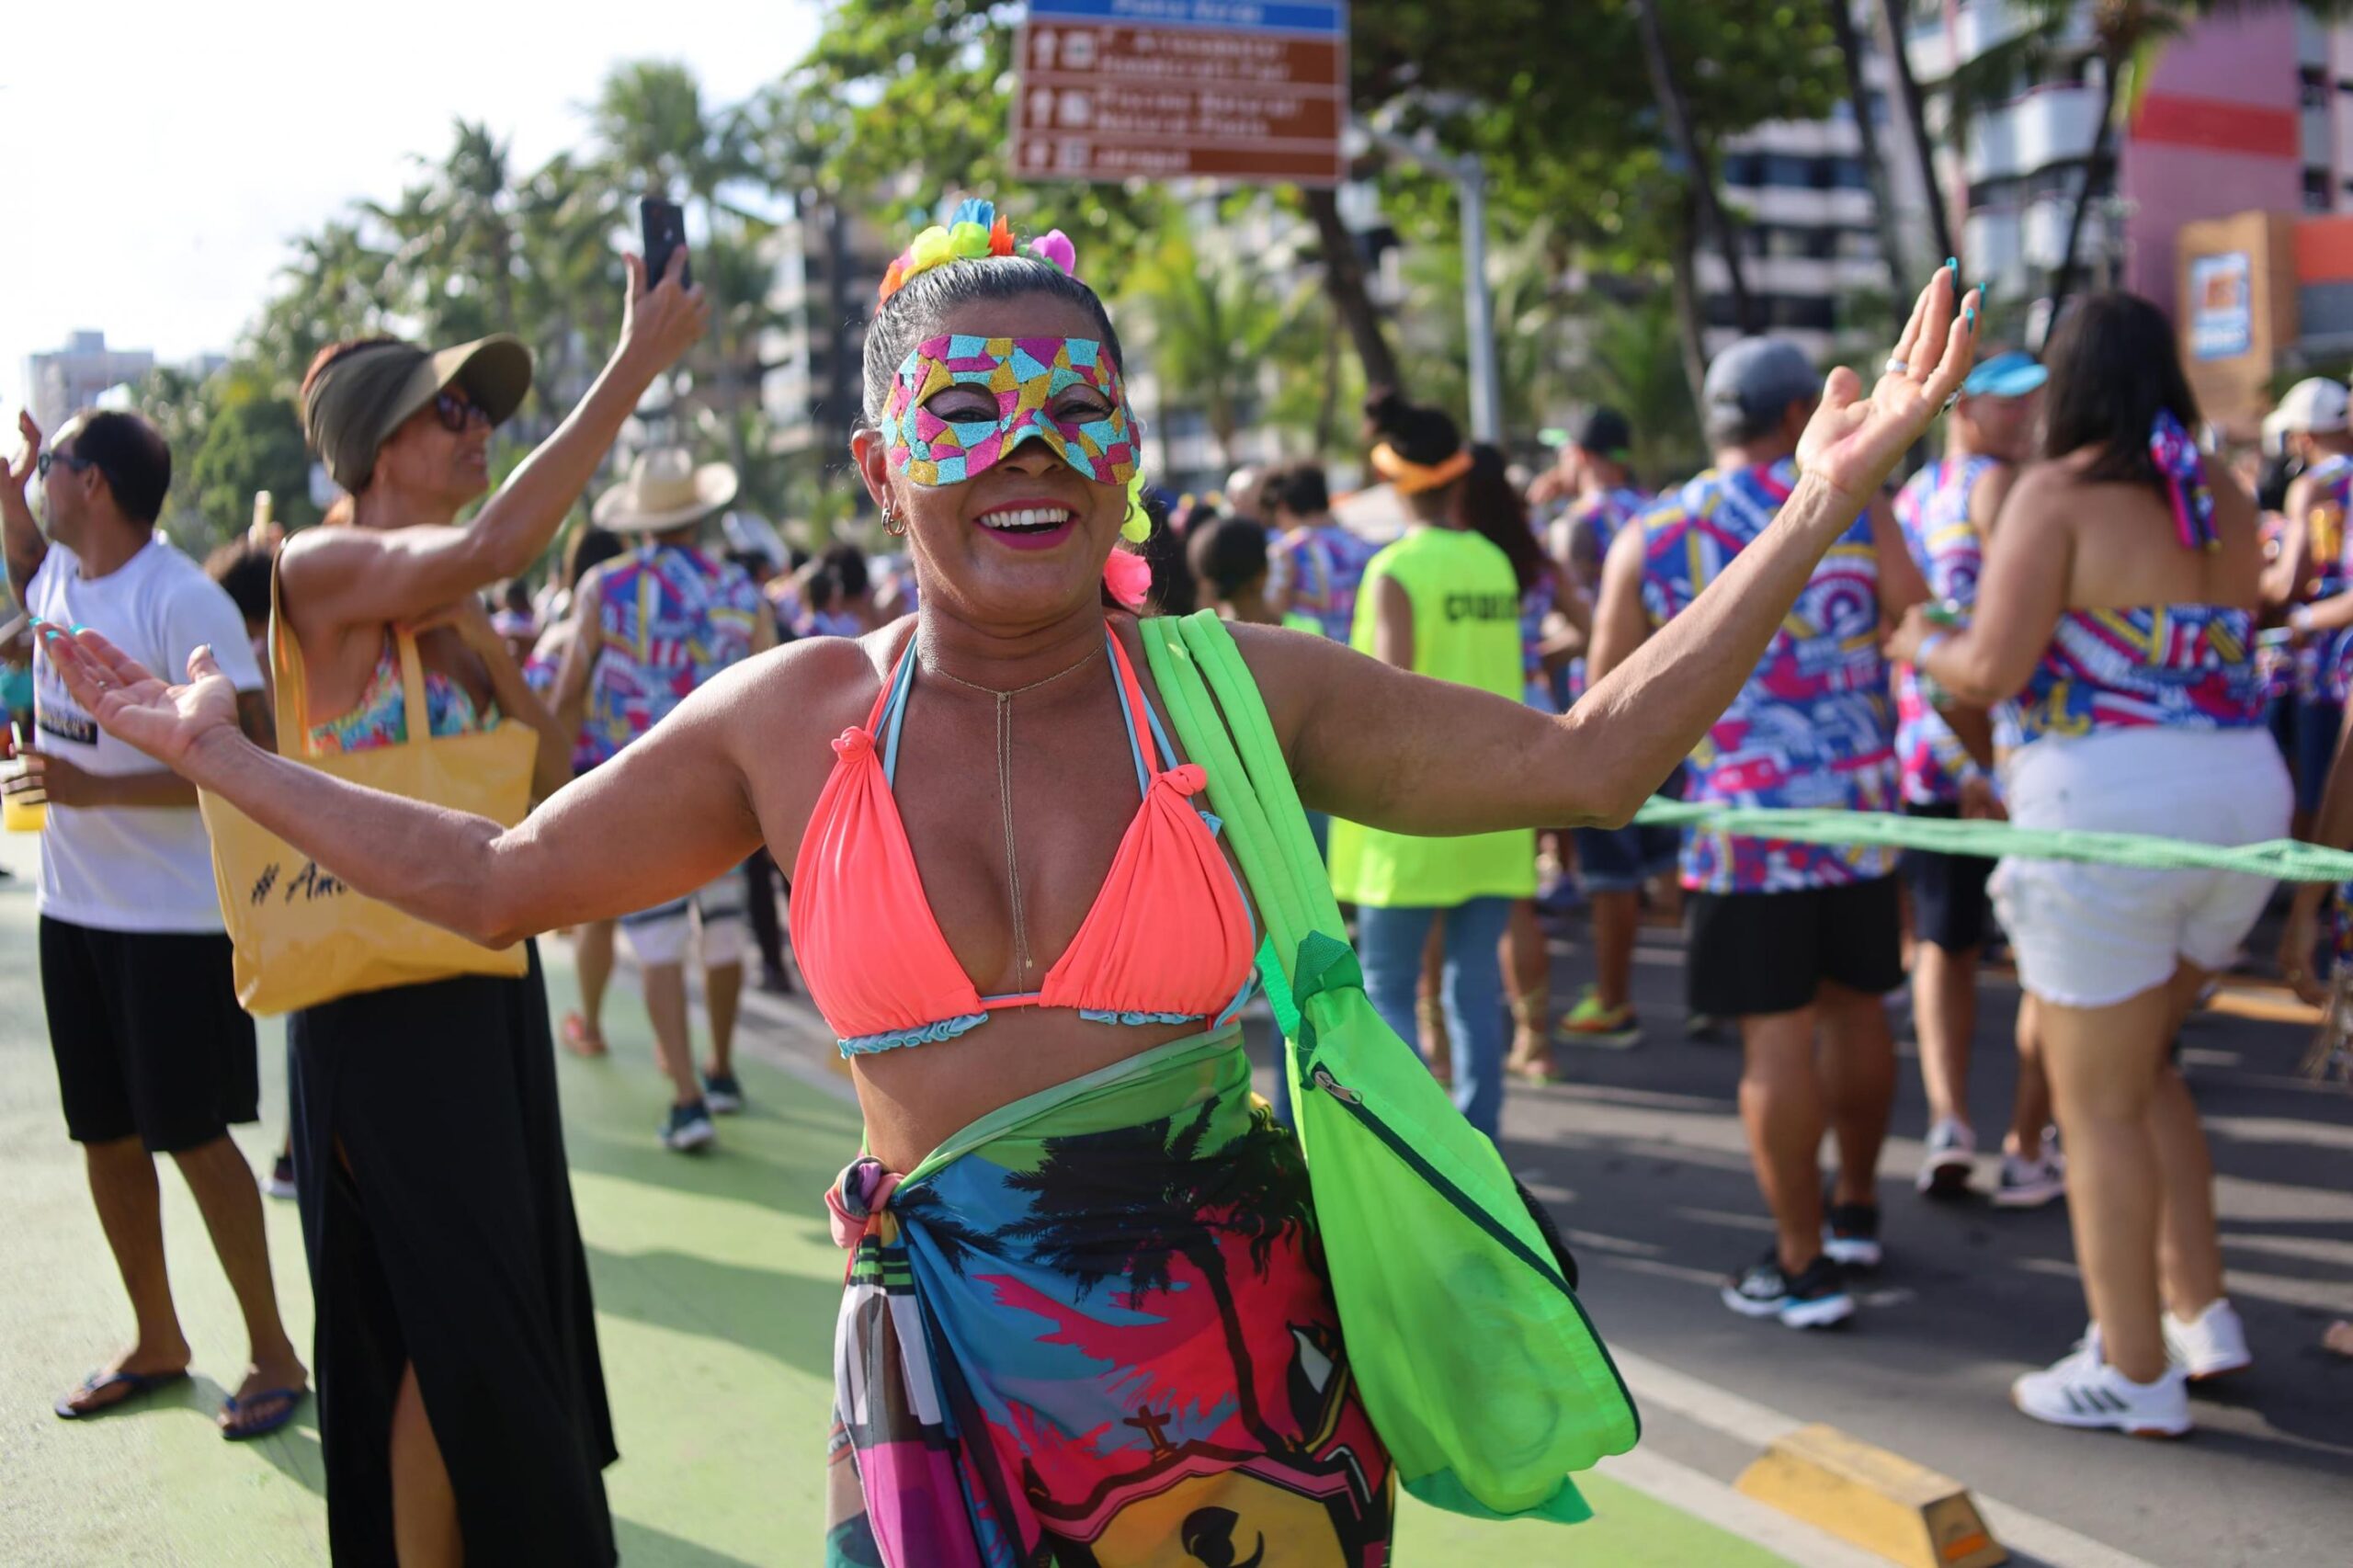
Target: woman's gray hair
(915, 312)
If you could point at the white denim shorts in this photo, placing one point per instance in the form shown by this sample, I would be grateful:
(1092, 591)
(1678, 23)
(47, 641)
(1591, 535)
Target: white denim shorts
(2090, 935)
(659, 936)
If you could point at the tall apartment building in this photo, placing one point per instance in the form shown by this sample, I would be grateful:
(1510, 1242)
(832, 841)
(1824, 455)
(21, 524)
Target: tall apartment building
(72, 377)
(2247, 112)
(828, 267)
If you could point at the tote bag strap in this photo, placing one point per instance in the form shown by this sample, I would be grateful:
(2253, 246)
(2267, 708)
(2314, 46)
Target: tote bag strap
(293, 702)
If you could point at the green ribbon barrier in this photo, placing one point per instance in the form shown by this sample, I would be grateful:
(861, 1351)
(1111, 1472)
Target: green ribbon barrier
(2284, 860)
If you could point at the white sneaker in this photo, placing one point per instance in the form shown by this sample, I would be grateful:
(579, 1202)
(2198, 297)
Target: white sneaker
(2081, 1389)
(1951, 1161)
(2030, 1184)
(2210, 1344)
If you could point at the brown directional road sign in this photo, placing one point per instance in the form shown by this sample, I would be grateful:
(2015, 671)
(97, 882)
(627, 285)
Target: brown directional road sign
(1104, 99)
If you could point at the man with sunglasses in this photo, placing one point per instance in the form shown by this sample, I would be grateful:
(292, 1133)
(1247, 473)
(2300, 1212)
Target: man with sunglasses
(154, 1054)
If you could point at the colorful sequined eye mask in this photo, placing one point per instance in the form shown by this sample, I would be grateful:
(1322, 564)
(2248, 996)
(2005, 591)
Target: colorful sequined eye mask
(1024, 375)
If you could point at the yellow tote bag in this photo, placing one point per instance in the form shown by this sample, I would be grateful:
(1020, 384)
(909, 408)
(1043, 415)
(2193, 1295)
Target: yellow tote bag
(301, 935)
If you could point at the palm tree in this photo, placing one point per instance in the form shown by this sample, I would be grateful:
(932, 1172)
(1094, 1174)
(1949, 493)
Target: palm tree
(1524, 272)
(2128, 37)
(456, 241)
(1630, 360)
(1858, 97)
(1125, 1203)
(657, 134)
(1893, 26)
(1213, 317)
(1698, 162)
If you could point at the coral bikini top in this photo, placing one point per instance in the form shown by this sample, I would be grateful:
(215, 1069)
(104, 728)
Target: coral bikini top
(1170, 938)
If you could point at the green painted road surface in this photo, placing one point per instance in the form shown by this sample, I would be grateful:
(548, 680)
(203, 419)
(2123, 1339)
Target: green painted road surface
(715, 1283)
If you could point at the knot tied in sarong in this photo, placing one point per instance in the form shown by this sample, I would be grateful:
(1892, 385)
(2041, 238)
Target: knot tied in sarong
(862, 1191)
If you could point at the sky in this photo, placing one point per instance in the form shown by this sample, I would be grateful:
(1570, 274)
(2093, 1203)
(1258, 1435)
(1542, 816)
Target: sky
(161, 170)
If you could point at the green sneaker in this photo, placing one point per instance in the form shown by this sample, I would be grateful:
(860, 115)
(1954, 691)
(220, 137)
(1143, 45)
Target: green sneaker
(1590, 1023)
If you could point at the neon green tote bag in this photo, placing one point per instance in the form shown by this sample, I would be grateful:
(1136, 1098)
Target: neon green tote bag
(1477, 1366)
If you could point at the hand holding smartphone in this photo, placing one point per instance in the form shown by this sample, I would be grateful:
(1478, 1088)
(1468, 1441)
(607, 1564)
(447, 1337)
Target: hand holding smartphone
(664, 226)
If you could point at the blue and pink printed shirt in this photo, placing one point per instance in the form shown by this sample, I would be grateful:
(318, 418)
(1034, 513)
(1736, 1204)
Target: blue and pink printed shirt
(1324, 567)
(1814, 726)
(671, 619)
(1933, 510)
(2188, 667)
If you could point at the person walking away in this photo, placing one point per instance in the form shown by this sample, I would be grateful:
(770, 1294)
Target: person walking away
(154, 1054)
(1946, 511)
(2313, 577)
(582, 1030)
(2115, 625)
(1440, 601)
(1228, 558)
(1613, 864)
(1553, 618)
(1797, 941)
(651, 627)
(1318, 566)
(464, 1416)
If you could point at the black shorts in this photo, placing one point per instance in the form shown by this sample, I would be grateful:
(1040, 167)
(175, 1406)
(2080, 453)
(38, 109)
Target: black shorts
(1949, 903)
(148, 1035)
(1769, 952)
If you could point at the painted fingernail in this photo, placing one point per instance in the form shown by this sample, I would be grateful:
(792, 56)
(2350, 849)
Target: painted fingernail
(1969, 317)
(79, 628)
(1953, 264)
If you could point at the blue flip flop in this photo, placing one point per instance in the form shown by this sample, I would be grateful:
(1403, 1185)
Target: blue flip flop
(293, 1401)
(138, 1383)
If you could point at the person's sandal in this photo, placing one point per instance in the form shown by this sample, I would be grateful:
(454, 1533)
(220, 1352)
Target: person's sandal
(134, 1384)
(578, 1041)
(290, 1400)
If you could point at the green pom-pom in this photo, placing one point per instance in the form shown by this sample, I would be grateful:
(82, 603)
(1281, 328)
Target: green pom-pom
(1137, 528)
(969, 240)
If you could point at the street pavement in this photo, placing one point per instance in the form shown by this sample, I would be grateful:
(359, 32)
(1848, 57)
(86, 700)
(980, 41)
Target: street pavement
(1641, 1155)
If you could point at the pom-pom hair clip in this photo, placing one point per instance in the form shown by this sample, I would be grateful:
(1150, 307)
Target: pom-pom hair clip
(973, 231)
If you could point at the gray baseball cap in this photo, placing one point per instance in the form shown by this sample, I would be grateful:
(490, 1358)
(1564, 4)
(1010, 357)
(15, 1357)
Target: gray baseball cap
(1752, 383)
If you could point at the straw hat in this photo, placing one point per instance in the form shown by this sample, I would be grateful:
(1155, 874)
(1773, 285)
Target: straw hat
(665, 490)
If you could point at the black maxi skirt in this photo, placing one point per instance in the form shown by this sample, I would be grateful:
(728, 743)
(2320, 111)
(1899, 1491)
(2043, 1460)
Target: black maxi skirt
(437, 1217)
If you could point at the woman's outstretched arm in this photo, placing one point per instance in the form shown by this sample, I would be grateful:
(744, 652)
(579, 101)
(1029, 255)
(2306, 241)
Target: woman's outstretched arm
(1412, 755)
(669, 814)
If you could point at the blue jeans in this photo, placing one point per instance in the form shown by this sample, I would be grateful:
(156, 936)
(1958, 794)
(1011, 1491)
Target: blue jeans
(1390, 943)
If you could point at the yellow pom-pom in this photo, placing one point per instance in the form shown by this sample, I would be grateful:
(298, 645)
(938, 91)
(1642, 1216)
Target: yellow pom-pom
(1137, 528)
(931, 248)
(969, 240)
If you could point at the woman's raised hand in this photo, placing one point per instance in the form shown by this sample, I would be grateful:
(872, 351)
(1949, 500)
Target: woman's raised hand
(169, 723)
(1855, 440)
(664, 319)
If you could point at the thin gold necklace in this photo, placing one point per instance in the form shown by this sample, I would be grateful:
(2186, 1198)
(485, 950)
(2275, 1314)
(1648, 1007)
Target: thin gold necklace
(1004, 785)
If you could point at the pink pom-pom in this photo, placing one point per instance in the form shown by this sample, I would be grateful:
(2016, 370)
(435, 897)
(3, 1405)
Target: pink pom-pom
(1129, 576)
(1054, 245)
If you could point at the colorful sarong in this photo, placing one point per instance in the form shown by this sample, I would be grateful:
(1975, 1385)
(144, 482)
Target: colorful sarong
(1094, 1328)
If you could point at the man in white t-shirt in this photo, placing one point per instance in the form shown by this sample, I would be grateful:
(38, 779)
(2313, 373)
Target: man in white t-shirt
(154, 1054)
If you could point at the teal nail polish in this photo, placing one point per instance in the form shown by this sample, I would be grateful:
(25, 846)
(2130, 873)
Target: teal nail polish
(79, 628)
(1969, 317)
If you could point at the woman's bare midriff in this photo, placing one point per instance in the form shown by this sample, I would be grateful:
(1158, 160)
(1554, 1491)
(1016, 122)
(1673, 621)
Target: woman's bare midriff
(915, 1098)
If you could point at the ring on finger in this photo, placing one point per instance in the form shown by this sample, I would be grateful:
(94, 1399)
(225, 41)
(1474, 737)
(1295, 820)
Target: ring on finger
(1897, 366)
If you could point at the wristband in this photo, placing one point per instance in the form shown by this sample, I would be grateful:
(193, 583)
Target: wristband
(2300, 621)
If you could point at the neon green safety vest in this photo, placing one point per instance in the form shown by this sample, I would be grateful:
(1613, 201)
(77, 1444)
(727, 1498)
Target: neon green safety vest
(1466, 630)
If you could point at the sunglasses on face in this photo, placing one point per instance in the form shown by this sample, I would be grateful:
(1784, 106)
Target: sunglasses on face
(50, 458)
(456, 413)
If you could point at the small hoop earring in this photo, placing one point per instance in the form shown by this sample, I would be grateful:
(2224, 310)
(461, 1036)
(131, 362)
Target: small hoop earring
(892, 524)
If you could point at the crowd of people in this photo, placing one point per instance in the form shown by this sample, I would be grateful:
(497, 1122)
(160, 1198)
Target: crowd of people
(2055, 621)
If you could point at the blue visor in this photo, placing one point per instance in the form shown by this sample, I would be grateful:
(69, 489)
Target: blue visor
(2005, 375)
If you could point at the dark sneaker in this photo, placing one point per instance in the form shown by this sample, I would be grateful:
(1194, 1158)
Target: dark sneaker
(1816, 1299)
(722, 1094)
(1851, 1236)
(281, 1177)
(775, 981)
(688, 1130)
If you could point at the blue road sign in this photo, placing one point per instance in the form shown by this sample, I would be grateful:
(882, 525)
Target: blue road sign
(1326, 17)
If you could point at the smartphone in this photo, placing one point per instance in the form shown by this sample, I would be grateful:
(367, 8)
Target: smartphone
(664, 225)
